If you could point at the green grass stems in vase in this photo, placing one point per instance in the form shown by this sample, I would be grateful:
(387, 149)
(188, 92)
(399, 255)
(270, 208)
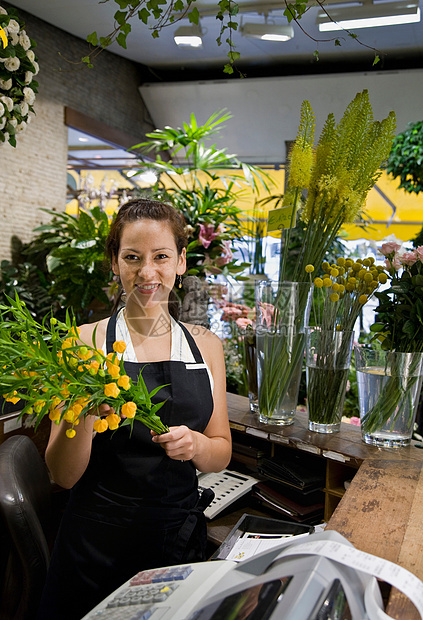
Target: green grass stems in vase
(399, 331)
(327, 186)
(339, 296)
(53, 373)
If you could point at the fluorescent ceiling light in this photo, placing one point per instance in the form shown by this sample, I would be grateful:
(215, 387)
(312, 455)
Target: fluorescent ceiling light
(369, 16)
(188, 36)
(267, 32)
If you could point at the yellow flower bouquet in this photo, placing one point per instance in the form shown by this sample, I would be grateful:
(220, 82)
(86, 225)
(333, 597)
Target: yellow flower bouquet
(47, 367)
(339, 296)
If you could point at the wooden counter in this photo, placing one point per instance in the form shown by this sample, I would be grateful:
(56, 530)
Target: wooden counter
(382, 511)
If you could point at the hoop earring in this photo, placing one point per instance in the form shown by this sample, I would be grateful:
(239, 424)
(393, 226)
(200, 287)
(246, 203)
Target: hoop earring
(179, 281)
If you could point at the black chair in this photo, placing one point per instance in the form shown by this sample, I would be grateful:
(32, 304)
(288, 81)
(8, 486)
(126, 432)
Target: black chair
(25, 521)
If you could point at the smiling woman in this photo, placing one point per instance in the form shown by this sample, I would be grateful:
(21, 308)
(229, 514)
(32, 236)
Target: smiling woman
(134, 500)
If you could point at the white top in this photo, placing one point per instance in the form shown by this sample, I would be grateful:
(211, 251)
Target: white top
(180, 350)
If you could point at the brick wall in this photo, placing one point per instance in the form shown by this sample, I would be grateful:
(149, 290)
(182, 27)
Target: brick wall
(33, 175)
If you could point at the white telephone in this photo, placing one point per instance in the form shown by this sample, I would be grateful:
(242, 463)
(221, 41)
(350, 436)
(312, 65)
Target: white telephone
(228, 486)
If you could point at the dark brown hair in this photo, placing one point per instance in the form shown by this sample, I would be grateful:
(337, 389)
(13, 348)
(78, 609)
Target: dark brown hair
(146, 209)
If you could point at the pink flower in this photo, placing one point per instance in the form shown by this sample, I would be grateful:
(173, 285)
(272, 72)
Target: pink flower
(409, 258)
(419, 252)
(391, 245)
(356, 421)
(207, 234)
(243, 322)
(393, 263)
(226, 256)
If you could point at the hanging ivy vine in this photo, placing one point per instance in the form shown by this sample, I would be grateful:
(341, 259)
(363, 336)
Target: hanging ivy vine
(157, 14)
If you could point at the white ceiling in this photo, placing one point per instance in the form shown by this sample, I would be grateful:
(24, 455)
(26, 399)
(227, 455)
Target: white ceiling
(402, 44)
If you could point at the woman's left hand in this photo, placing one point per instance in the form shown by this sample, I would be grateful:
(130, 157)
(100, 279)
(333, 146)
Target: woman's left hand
(179, 443)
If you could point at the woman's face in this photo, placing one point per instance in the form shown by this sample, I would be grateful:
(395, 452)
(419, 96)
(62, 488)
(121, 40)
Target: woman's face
(148, 262)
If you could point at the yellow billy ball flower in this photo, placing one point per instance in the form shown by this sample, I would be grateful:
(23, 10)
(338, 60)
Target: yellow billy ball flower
(367, 262)
(341, 261)
(124, 382)
(119, 346)
(111, 390)
(334, 273)
(129, 409)
(13, 399)
(334, 297)
(368, 277)
(326, 266)
(327, 282)
(54, 415)
(349, 287)
(113, 420)
(383, 278)
(318, 282)
(361, 274)
(70, 433)
(113, 370)
(352, 281)
(100, 425)
(77, 408)
(362, 299)
(356, 266)
(335, 287)
(349, 263)
(341, 288)
(309, 268)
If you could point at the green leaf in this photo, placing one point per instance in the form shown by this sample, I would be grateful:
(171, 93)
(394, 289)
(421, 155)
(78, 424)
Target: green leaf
(126, 28)
(93, 39)
(120, 17)
(194, 16)
(105, 42)
(228, 68)
(143, 15)
(155, 34)
(121, 40)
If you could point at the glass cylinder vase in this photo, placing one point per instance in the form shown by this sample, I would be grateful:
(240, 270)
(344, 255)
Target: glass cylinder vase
(282, 312)
(389, 385)
(328, 357)
(250, 357)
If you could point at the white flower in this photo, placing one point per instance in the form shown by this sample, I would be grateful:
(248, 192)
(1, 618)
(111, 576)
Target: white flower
(2, 122)
(30, 55)
(36, 67)
(21, 127)
(3, 59)
(13, 26)
(24, 108)
(29, 95)
(7, 101)
(14, 38)
(3, 11)
(6, 84)
(12, 64)
(28, 77)
(24, 40)
(2, 111)
(13, 122)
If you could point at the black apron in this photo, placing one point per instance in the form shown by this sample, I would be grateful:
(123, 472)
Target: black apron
(134, 508)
